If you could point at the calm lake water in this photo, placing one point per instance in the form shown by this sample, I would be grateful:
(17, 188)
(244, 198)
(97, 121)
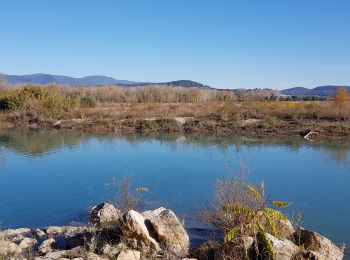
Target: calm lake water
(54, 177)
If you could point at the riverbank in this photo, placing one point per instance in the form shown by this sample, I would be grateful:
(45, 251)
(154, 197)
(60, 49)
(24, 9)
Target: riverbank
(170, 109)
(252, 127)
(157, 234)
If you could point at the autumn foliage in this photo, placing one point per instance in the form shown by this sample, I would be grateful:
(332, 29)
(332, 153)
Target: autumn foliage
(341, 97)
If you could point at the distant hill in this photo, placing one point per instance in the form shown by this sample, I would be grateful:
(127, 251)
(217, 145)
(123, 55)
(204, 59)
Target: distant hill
(65, 80)
(180, 83)
(297, 91)
(322, 91)
(91, 81)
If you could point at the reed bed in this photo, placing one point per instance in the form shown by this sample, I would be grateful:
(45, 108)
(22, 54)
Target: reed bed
(218, 109)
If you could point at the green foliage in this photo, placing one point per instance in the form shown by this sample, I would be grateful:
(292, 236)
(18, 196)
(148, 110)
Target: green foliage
(280, 204)
(232, 234)
(254, 191)
(255, 221)
(238, 230)
(275, 214)
(267, 242)
(36, 97)
(238, 209)
(271, 224)
(141, 189)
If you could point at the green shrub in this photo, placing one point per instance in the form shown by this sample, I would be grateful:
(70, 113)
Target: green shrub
(88, 102)
(36, 97)
(240, 209)
(13, 100)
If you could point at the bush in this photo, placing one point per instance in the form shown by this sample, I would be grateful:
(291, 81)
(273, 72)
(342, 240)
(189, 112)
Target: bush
(15, 99)
(341, 97)
(36, 97)
(88, 102)
(241, 210)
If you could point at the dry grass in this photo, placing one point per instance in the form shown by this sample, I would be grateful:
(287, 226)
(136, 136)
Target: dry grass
(144, 94)
(233, 190)
(160, 101)
(125, 198)
(298, 110)
(108, 108)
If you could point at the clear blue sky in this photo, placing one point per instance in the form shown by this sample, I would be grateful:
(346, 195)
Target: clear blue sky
(223, 43)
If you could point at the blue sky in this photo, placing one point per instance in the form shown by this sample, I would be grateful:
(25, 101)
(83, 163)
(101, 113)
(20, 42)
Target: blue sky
(223, 43)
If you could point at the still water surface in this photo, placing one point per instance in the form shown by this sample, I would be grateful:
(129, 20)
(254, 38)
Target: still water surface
(54, 177)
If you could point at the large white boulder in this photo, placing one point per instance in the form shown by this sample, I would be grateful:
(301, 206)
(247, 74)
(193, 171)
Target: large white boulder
(283, 248)
(170, 232)
(136, 234)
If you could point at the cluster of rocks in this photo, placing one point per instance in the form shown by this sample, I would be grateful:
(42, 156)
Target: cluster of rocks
(291, 244)
(111, 234)
(153, 234)
(301, 244)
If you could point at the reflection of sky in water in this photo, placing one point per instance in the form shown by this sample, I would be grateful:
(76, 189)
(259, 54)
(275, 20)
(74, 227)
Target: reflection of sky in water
(54, 177)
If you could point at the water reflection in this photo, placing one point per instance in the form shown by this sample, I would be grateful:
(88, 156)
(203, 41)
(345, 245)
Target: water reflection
(54, 177)
(37, 143)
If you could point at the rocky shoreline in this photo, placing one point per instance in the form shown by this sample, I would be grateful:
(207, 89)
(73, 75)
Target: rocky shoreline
(153, 234)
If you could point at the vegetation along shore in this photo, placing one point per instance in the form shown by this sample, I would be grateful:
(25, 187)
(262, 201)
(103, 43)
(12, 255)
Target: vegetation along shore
(246, 225)
(164, 108)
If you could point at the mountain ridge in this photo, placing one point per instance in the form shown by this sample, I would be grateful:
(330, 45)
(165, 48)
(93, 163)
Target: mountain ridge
(99, 80)
(93, 80)
(323, 91)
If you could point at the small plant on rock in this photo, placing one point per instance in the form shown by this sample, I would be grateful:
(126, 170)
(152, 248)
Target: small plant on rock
(245, 217)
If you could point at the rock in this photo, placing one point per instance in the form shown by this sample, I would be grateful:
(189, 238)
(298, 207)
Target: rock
(318, 245)
(54, 255)
(14, 235)
(46, 246)
(9, 249)
(54, 231)
(238, 248)
(285, 228)
(129, 255)
(27, 243)
(283, 248)
(16, 238)
(57, 124)
(92, 256)
(39, 233)
(13, 232)
(169, 231)
(104, 215)
(74, 240)
(75, 253)
(136, 234)
(247, 242)
(112, 251)
(77, 237)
